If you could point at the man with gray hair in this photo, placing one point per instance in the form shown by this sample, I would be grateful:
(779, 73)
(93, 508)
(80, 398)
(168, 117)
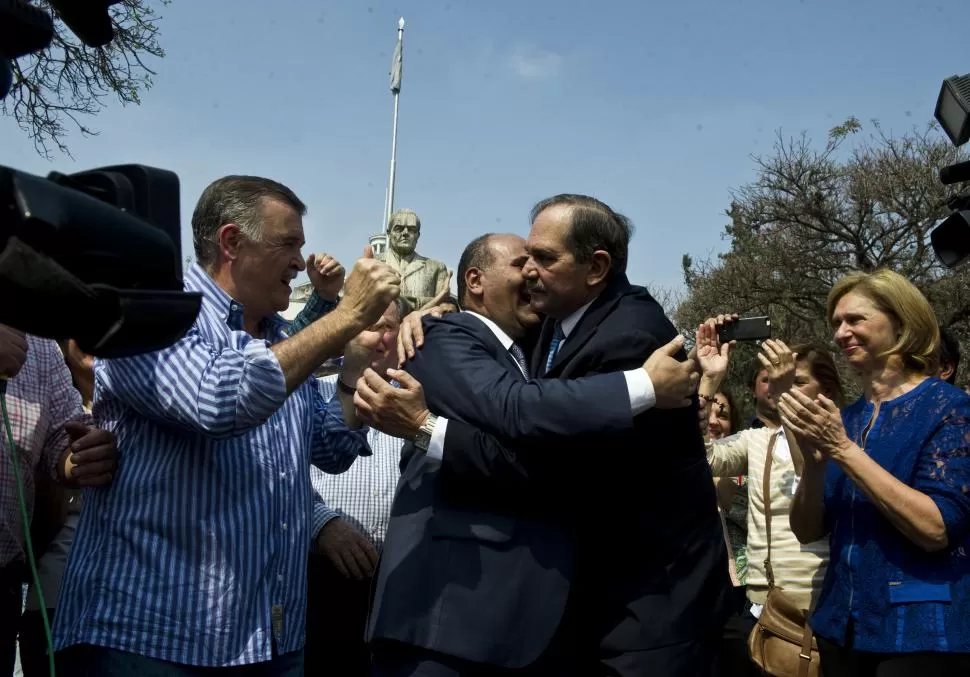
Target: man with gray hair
(196, 556)
(423, 281)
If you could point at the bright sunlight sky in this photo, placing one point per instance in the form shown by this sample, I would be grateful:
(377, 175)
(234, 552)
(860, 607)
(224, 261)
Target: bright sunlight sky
(654, 107)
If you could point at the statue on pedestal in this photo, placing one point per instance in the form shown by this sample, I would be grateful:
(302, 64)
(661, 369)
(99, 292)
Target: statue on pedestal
(422, 279)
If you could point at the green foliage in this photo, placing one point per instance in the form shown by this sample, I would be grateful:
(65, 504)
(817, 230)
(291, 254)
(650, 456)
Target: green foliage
(812, 215)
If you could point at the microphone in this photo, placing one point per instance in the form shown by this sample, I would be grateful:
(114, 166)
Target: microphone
(956, 173)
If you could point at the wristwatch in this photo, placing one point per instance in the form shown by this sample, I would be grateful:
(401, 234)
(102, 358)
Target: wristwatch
(423, 439)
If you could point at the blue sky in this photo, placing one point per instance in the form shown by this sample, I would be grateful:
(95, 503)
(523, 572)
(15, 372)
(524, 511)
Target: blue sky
(654, 107)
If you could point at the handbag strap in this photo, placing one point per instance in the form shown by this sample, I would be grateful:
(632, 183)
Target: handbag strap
(766, 499)
(805, 655)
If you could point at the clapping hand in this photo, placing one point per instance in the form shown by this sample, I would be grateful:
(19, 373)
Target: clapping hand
(816, 424)
(779, 362)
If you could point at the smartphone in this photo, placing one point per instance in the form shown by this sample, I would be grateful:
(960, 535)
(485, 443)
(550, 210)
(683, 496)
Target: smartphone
(746, 329)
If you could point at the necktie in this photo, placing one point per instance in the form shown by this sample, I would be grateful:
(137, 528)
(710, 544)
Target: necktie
(519, 356)
(557, 338)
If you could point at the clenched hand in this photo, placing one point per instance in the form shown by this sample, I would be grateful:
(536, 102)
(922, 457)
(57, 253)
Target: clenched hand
(370, 287)
(326, 275)
(674, 382)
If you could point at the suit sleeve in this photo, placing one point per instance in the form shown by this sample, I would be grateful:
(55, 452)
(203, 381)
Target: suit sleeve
(463, 380)
(469, 452)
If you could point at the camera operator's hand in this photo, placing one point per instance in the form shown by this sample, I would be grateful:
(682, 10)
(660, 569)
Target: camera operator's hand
(674, 382)
(326, 275)
(370, 287)
(13, 351)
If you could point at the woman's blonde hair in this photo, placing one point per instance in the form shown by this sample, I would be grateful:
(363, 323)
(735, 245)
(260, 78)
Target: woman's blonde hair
(919, 338)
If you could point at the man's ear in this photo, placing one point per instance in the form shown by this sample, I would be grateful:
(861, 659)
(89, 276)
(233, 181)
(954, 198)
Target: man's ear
(599, 268)
(230, 239)
(474, 283)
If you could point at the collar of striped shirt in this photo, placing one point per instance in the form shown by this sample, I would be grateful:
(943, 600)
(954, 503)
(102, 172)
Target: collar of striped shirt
(197, 278)
(197, 552)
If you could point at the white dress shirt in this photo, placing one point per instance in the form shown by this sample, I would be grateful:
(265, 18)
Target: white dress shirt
(638, 383)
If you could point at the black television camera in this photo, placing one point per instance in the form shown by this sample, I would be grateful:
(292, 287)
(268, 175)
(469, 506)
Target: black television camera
(951, 239)
(93, 256)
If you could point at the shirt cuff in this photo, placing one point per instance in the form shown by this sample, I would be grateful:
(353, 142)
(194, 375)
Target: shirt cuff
(319, 306)
(436, 448)
(321, 515)
(640, 388)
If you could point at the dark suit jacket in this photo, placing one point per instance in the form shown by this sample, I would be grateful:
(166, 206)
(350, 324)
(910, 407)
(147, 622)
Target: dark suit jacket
(666, 580)
(652, 565)
(478, 566)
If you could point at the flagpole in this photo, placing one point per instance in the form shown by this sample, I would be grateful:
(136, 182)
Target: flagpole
(396, 68)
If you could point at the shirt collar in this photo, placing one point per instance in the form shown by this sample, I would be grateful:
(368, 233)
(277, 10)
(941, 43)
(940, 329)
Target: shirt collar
(197, 279)
(570, 322)
(502, 337)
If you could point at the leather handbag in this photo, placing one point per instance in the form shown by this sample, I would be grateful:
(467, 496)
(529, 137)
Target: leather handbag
(781, 644)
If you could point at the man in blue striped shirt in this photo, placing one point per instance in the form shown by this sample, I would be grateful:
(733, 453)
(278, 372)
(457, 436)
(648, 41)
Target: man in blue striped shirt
(196, 556)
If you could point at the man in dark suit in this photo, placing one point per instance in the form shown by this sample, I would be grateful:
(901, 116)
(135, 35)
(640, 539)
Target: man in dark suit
(477, 563)
(658, 607)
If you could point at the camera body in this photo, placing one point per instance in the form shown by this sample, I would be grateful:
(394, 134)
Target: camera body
(94, 256)
(951, 239)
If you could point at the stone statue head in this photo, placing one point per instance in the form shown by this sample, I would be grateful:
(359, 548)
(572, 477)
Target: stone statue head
(403, 231)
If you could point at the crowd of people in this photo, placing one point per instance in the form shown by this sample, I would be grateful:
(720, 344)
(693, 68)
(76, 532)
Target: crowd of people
(530, 478)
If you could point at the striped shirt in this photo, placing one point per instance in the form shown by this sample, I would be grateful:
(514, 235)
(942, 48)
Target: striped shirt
(363, 495)
(197, 552)
(40, 399)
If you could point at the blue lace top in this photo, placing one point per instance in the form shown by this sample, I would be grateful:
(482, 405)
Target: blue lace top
(899, 597)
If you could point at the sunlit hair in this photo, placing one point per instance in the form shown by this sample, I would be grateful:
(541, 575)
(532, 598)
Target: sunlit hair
(822, 367)
(919, 333)
(239, 200)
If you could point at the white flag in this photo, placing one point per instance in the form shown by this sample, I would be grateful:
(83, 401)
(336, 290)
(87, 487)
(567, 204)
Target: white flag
(397, 65)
